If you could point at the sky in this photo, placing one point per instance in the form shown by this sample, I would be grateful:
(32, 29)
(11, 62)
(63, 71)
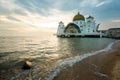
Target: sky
(33, 17)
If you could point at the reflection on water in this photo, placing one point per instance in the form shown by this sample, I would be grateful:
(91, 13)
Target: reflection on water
(45, 51)
(77, 46)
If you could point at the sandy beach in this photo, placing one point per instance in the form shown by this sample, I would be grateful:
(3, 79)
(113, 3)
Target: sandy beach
(104, 66)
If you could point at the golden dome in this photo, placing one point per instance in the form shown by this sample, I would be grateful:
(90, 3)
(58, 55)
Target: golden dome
(78, 17)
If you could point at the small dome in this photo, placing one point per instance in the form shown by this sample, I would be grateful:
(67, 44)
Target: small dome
(60, 22)
(90, 17)
(78, 17)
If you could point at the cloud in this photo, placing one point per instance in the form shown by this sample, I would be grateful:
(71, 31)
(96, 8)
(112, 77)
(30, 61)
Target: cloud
(91, 3)
(103, 2)
(39, 14)
(80, 4)
(116, 21)
(100, 4)
(68, 5)
(12, 18)
(19, 11)
(36, 6)
(4, 10)
(9, 7)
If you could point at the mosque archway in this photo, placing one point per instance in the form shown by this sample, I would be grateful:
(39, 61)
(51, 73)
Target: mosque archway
(72, 28)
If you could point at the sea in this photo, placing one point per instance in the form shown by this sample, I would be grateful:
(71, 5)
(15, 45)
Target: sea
(48, 53)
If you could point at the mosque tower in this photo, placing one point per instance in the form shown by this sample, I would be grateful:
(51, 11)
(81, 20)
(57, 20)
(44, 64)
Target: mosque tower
(60, 30)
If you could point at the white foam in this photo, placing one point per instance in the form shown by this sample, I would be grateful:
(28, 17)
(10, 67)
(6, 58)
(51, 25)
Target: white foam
(25, 72)
(71, 61)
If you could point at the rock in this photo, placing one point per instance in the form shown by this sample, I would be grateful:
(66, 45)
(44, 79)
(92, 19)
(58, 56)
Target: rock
(27, 65)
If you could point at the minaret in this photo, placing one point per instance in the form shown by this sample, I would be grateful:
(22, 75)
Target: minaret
(90, 24)
(60, 30)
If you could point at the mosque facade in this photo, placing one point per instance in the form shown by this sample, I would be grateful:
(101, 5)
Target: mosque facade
(79, 27)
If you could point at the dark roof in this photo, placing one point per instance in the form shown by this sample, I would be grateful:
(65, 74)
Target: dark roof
(90, 17)
(113, 28)
(60, 22)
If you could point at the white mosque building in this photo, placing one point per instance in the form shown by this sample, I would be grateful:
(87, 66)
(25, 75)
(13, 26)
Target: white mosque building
(80, 27)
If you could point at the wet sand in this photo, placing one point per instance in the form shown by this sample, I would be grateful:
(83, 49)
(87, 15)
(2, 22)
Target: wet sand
(104, 66)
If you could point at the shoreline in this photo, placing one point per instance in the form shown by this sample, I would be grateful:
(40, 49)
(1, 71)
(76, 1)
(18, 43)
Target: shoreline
(84, 64)
(97, 67)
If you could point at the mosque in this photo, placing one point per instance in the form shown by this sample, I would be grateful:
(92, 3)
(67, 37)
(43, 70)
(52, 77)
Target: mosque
(79, 27)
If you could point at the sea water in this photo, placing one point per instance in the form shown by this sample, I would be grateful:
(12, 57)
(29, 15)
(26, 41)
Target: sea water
(49, 54)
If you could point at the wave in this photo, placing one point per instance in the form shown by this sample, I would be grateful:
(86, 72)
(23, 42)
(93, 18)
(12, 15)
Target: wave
(61, 64)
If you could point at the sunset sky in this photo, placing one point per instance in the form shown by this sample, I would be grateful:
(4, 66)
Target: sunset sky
(20, 17)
